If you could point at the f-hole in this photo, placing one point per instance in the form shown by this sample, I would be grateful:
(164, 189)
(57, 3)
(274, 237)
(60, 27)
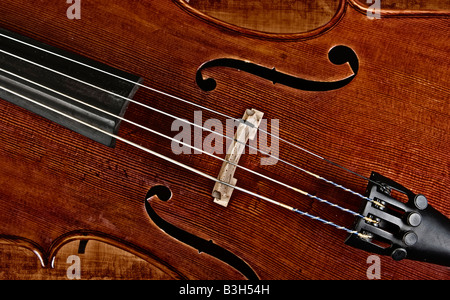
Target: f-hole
(203, 246)
(161, 191)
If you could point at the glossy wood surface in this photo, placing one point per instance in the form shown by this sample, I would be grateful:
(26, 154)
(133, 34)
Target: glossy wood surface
(98, 261)
(57, 186)
(299, 16)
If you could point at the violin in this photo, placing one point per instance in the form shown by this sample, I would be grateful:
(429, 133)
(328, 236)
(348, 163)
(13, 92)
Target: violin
(215, 151)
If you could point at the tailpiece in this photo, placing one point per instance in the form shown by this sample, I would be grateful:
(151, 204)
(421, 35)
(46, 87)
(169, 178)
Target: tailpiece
(412, 230)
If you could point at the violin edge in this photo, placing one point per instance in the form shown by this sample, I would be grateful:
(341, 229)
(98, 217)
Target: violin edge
(340, 12)
(335, 19)
(47, 257)
(395, 13)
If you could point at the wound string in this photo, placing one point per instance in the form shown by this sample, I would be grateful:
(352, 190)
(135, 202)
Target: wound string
(185, 101)
(215, 112)
(183, 120)
(192, 147)
(361, 235)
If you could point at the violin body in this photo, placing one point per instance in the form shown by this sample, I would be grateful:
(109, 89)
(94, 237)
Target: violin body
(393, 117)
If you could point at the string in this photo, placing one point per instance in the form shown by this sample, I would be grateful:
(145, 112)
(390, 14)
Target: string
(190, 146)
(295, 189)
(188, 122)
(198, 172)
(213, 111)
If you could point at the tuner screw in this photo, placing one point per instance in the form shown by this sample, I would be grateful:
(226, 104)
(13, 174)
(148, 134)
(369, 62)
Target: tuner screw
(414, 219)
(420, 201)
(398, 254)
(410, 238)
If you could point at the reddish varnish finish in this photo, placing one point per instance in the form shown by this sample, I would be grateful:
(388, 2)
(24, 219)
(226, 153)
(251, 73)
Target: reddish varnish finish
(393, 118)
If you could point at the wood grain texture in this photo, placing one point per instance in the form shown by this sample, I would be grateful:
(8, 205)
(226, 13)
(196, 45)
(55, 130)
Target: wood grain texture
(393, 118)
(99, 261)
(273, 16)
(295, 17)
(408, 5)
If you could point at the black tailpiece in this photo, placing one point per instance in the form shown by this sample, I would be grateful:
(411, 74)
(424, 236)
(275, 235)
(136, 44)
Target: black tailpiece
(412, 230)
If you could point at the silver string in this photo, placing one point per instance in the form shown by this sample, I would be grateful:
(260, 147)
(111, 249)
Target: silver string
(196, 105)
(175, 117)
(188, 167)
(190, 146)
